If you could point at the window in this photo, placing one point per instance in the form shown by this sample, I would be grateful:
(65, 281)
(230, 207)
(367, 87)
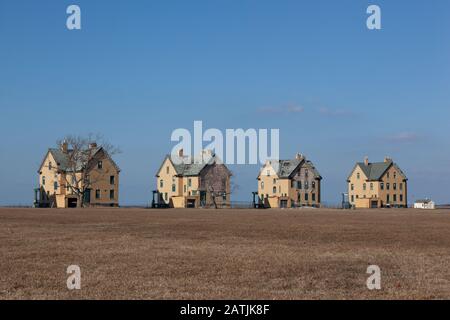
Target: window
(299, 184)
(50, 166)
(262, 185)
(224, 196)
(371, 186)
(313, 196)
(167, 169)
(306, 172)
(43, 181)
(274, 181)
(189, 182)
(55, 185)
(395, 198)
(387, 199)
(353, 198)
(306, 185)
(358, 175)
(97, 194)
(100, 165)
(313, 184)
(174, 188)
(401, 198)
(382, 186)
(401, 186)
(161, 183)
(352, 187)
(388, 186)
(112, 180)
(364, 187)
(306, 197)
(268, 173)
(166, 196)
(111, 194)
(274, 190)
(387, 175)
(395, 186)
(395, 175)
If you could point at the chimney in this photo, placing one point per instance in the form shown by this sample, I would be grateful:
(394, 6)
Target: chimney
(366, 160)
(92, 145)
(181, 153)
(387, 159)
(299, 156)
(64, 146)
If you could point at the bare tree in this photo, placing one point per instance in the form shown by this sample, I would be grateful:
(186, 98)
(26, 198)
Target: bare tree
(215, 194)
(80, 167)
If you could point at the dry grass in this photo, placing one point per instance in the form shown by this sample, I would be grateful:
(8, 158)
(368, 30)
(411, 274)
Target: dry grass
(224, 254)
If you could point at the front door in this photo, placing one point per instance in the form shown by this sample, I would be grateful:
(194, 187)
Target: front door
(191, 203)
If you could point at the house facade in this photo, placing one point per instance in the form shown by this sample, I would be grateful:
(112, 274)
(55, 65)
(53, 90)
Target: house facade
(186, 183)
(377, 185)
(61, 177)
(289, 183)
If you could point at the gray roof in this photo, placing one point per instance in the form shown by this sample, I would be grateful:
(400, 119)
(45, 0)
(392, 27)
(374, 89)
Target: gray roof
(375, 171)
(63, 159)
(287, 167)
(423, 201)
(188, 169)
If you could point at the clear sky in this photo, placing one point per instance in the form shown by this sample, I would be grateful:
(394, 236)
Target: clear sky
(140, 69)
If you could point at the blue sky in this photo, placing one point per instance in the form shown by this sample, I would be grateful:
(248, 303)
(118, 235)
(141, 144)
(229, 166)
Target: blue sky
(141, 69)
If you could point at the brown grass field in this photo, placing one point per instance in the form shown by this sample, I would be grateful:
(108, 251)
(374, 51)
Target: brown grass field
(224, 254)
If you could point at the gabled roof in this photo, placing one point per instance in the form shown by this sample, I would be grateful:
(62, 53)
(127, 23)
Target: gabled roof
(63, 159)
(287, 168)
(186, 168)
(375, 171)
(424, 201)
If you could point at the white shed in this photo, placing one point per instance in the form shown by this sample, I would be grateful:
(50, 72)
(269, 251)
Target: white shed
(425, 204)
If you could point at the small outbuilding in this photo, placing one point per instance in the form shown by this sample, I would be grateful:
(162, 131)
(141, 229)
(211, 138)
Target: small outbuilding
(425, 204)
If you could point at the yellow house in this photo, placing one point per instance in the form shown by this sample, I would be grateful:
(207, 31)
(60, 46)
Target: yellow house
(289, 183)
(68, 180)
(183, 183)
(377, 185)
